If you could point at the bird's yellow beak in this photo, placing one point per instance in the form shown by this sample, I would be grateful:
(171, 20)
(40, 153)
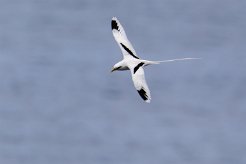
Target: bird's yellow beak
(113, 69)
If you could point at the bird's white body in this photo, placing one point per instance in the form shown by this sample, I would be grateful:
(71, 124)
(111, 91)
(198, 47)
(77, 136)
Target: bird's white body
(132, 62)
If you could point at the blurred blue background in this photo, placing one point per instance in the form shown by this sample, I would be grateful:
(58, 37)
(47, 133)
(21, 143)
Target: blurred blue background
(59, 104)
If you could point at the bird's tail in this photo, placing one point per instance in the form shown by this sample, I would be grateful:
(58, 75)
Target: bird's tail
(172, 60)
(148, 62)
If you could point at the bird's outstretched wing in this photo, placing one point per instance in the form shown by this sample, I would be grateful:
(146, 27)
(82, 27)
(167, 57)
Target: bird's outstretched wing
(122, 40)
(139, 82)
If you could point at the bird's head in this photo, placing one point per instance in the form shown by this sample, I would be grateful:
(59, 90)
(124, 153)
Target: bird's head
(116, 67)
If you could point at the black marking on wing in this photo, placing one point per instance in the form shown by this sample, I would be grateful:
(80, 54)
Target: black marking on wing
(137, 67)
(114, 25)
(129, 51)
(143, 94)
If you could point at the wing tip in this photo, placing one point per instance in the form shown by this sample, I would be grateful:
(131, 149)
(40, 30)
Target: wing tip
(147, 101)
(144, 95)
(114, 24)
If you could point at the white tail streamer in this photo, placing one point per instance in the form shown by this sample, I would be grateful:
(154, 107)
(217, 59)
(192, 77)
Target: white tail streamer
(179, 59)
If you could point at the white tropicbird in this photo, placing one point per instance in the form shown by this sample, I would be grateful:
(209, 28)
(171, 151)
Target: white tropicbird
(132, 62)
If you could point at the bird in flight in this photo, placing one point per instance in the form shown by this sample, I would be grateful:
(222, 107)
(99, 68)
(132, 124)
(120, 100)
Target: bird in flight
(132, 62)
